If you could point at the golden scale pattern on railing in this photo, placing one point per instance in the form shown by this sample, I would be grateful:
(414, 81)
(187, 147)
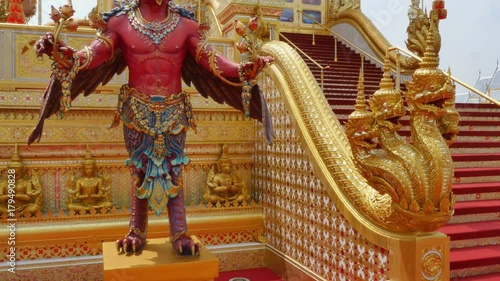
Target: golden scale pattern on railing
(301, 220)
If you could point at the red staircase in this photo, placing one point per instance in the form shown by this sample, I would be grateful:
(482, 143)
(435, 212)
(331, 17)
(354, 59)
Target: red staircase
(475, 227)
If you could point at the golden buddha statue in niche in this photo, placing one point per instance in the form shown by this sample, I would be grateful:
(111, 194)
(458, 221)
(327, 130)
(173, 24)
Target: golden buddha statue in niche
(90, 190)
(224, 186)
(26, 195)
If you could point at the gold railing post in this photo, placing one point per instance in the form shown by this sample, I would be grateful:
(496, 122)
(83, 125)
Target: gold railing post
(398, 71)
(322, 79)
(314, 39)
(363, 64)
(198, 11)
(335, 59)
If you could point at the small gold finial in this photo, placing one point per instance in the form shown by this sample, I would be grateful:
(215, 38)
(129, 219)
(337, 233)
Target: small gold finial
(387, 82)
(431, 58)
(360, 99)
(16, 161)
(224, 158)
(89, 159)
(360, 111)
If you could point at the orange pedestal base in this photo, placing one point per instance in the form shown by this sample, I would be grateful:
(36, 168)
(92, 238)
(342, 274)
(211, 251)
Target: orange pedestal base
(158, 261)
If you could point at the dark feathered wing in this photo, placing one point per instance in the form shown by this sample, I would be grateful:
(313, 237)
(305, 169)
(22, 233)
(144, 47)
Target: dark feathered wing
(208, 85)
(86, 81)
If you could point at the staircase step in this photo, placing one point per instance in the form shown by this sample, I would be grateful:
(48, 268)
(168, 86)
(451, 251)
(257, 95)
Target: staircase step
(490, 134)
(472, 188)
(474, 257)
(476, 144)
(489, 277)
(477, 172)
(476, 157)
(477, 207)
(485, 114)
(475, 230)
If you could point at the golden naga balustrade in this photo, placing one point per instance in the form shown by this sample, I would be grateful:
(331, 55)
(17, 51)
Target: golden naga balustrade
(403, 189)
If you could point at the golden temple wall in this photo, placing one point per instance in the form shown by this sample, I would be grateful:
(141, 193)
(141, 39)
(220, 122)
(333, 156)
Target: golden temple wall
(55, 231)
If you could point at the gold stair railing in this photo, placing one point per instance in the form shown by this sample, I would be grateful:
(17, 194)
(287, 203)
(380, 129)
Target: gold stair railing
(456, 80)
(336, 37)
(322, 68)
(397, 49)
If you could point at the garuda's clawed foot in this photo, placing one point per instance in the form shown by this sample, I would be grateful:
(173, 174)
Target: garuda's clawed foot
(132, 242)
(186, 246)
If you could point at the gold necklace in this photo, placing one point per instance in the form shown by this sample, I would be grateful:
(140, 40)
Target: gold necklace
(156, 30)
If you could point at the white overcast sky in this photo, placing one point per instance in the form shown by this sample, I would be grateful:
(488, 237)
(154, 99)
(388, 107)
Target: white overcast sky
(469, 35)
(470, 38)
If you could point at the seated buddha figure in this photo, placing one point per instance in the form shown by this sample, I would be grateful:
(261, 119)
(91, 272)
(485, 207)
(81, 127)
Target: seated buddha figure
(89, 191)
(223, 186)
(27, 194)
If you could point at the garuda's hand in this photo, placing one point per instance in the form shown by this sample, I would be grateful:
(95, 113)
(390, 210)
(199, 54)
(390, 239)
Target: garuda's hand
(250, 70)
(45, 45)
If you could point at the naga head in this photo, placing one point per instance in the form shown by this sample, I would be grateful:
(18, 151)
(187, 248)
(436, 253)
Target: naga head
(386, 103)
(448, 123)
(430, 89)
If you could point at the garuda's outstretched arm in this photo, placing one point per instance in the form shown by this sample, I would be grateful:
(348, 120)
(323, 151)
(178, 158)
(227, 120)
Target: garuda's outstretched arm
(88, 68)
(223, 80)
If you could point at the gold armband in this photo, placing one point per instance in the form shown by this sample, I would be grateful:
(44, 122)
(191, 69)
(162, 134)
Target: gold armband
(107, 41)
(200, 49)
(88, 54)
(212, 63)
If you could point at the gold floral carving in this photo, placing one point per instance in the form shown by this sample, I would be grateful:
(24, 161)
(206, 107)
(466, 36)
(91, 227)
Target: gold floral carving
(432, 264)
(240, 259)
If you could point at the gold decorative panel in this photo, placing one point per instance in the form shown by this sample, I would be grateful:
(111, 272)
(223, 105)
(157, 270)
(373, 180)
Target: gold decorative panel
(28, 66)
(2, 62)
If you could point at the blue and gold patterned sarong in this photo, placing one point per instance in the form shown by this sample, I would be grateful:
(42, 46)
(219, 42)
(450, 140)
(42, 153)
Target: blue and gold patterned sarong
(155, 132)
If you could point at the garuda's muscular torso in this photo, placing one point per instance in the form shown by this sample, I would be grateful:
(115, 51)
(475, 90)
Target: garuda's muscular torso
(155, 64)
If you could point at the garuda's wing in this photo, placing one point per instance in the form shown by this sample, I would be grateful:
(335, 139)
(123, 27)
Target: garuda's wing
(86, 81)
(211, 86)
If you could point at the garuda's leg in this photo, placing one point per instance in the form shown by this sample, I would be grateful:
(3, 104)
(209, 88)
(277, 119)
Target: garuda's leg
(181, 241)
(136, 237)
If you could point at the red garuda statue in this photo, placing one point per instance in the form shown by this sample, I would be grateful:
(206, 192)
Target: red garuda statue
(160, 43)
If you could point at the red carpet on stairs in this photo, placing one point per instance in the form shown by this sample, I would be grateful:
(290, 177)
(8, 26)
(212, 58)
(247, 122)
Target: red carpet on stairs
(491, 277)
(473, 257)
(461, 231)
(255, 274)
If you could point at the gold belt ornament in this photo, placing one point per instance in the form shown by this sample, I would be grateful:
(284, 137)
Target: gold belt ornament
(173, 125)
